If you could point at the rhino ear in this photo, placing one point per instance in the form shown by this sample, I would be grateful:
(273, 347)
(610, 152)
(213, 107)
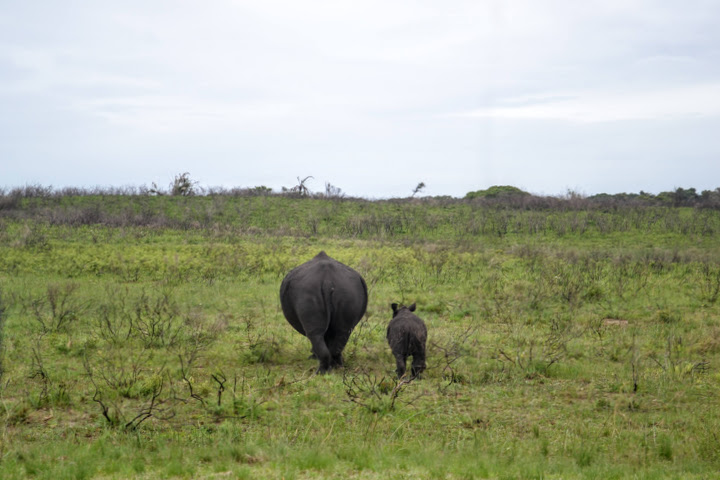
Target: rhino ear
(394, 307)
(412, 307)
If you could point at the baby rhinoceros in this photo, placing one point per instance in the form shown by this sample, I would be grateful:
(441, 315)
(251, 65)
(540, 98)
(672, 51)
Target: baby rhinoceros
(407, 334)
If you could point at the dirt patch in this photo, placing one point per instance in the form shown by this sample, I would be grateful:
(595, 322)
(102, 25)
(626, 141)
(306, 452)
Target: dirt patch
(615, 321)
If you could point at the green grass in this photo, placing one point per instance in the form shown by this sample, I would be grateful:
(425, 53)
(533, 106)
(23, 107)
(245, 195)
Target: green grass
(143, 338)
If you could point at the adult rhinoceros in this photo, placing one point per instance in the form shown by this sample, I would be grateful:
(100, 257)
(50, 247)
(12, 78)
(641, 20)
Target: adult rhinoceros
(324, 300)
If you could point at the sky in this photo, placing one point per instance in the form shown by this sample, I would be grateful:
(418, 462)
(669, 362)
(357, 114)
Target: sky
(371, 96)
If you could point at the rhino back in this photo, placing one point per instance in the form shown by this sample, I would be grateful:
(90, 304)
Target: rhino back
(406, 333)
(326, 288)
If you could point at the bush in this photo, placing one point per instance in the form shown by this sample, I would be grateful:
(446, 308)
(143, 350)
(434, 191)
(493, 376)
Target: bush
(497, 191)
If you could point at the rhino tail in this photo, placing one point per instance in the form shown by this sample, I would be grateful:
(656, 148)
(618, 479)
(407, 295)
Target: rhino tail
(413, 343)
(327, 293)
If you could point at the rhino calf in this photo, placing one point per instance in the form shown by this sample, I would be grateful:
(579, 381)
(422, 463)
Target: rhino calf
(407, 335)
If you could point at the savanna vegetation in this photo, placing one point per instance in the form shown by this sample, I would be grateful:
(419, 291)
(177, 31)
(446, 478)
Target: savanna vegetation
(141, 336)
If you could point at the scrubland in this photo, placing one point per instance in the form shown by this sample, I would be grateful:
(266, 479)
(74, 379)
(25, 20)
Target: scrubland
(142, 337)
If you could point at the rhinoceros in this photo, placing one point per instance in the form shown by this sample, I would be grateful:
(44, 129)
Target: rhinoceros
(407, 335)
(324, 299)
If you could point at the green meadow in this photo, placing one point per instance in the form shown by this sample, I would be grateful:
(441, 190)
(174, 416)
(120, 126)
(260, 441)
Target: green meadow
(142, 337)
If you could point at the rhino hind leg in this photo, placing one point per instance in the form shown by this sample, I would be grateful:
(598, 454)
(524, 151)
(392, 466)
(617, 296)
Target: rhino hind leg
(400, 362)
(418, 364)
(336, 342)
(322, 353)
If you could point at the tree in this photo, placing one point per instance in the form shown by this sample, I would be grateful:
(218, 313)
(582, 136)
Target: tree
(300, 188)
(182, 185)
(682, 196)
(331, 191)
(710, 198)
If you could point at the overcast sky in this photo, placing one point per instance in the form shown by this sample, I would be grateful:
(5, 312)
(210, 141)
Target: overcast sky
(371, 96)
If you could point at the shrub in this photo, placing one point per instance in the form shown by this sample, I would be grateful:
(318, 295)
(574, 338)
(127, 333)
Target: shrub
(497, 191)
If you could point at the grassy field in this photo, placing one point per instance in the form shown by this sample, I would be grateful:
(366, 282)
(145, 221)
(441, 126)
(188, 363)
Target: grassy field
(142, 337)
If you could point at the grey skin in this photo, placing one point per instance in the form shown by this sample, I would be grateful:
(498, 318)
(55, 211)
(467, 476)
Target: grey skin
(407, 335)
(324, 299)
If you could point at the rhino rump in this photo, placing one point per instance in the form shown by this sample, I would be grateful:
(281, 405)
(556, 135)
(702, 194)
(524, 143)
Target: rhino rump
(324, 300)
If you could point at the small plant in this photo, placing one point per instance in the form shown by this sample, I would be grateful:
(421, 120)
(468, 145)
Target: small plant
(376, 394)
(33, 237)
(155, 406)
(452, 351)
(157, 320)
(219, 378)
(667, 316)
(58, 308)
(709, 281)
(249, 408)
(38, 371)
(533, 354)
(584, 455)
(260, 347)
(120, 387)
(665, 447)
(186, 366)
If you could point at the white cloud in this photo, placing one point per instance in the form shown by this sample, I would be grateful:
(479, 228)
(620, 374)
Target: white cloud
(178, 114)
(594, 106)
(341, 85)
